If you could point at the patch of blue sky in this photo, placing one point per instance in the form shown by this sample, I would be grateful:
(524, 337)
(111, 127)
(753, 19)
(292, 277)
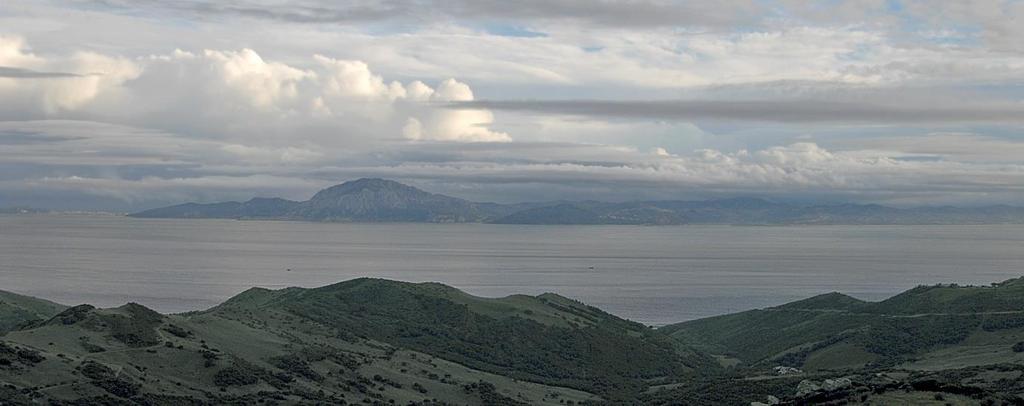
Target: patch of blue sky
(943, 33)
(859, 53)
(1006, 132)
(508, 30)
(778, 10)
(960, 35)
(894, 6)
(773, 9)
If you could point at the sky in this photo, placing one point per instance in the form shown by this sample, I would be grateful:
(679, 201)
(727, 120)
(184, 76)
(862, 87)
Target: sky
(123, 105)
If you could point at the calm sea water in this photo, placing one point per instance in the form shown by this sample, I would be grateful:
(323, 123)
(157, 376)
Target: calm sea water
(655, 275)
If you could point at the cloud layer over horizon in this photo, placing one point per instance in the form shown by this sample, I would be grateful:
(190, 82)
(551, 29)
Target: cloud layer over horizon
(127, 105)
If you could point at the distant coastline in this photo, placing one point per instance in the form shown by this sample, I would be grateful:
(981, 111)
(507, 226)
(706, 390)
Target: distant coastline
(385, 201)
(31, 210)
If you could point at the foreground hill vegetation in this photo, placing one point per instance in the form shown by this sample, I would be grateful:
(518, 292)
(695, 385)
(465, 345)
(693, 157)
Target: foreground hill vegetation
(361, 341)
(834, 330)
(373, 341)
(16, 310)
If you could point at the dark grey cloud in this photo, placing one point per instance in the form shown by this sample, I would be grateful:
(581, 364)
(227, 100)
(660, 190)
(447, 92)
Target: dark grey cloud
(20, 73)
(786, 111)
(611, 13)
(642, 13)
(305, 12)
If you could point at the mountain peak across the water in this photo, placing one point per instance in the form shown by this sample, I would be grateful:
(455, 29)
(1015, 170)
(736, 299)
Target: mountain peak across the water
(373, 200)
(383, 200)
(366, 184)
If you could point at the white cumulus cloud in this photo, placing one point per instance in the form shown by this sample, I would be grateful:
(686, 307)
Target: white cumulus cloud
(239, 94)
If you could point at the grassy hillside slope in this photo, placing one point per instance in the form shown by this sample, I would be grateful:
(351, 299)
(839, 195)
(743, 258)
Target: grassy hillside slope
(361, 341)
(835, 331)
(17, 309)
(548, 338)
(372, 341)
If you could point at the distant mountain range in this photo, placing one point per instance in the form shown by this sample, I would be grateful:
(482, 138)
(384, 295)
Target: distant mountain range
(381, 200)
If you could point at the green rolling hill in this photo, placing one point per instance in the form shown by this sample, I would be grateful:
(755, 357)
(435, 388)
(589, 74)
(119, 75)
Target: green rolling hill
(373, 341)
(17, 309)
(362, 340)
(834, 331)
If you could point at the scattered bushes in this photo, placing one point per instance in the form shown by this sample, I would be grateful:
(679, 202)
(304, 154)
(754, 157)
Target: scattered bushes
(11, 354)
(177, 331)
(136, 328)
(75, 314)
(489, 394)
(96, 371)
(210, 358)
(610, 357)
(235, 376)
(894, 337)
(296, 365)
(119, 387)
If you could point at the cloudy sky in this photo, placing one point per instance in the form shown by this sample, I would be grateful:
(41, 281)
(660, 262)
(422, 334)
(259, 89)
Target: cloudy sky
(129, 104)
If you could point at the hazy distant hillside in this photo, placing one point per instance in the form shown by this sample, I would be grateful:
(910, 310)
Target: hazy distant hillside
(363, 200)
(21, 210)
(384, 200)
(593, 213)
(379, 200)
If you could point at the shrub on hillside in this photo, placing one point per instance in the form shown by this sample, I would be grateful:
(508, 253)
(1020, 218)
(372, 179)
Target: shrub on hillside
(234, 376)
